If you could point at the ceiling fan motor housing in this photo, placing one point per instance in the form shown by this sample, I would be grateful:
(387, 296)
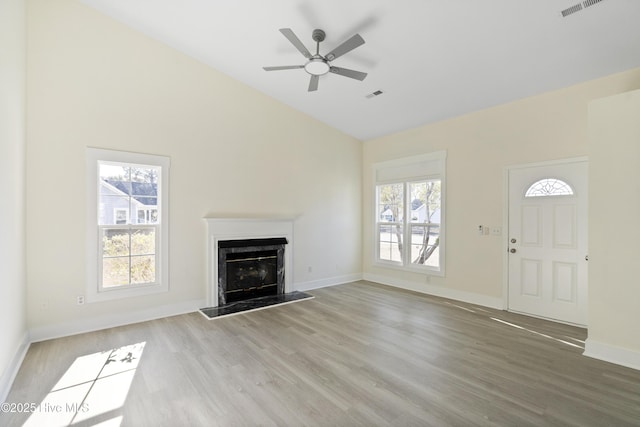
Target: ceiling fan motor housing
(318, 35)
(317, 65)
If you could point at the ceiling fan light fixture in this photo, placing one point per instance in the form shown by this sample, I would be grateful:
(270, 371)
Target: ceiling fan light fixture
(317, 67)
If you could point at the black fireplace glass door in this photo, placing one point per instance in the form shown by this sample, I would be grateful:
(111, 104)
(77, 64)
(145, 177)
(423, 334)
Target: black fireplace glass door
(251, 274)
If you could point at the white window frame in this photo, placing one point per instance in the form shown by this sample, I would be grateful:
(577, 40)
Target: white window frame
(94, 291)
(426, 167)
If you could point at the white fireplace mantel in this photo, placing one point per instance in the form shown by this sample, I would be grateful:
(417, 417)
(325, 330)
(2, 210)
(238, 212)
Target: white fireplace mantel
(238, 228)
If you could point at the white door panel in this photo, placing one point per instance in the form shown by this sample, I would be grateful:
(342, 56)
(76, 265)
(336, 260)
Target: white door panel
(548, 242)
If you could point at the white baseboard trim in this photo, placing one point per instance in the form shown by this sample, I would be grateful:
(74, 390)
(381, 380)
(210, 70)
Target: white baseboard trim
(438, 291)
(113, 320)
(9, 375)
(323, 283)
(613, 354)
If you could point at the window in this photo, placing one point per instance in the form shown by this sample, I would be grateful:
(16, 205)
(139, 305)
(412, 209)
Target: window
(549, 187)
(121, 215)
(128, 252)
(147, 216)
(409, 207)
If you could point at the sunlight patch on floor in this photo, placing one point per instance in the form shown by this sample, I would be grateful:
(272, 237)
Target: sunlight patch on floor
(461, 307)
(537, 333)
(95, 385)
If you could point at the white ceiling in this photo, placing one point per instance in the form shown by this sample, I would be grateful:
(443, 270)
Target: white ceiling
(432, 59)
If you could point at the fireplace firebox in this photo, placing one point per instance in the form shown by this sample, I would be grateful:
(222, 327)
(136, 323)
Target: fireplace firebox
(250, 268)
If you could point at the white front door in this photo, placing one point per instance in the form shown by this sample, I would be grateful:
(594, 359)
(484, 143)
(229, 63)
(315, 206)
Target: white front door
(548, 241)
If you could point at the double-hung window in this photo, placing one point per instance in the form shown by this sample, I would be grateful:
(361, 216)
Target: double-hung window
(127, 224)
(409, 228)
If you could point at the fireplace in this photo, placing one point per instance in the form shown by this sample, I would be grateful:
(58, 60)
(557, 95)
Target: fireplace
(250, 268)
(259, 237)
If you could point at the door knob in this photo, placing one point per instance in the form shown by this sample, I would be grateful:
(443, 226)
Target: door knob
(513, 240)
(512, 250)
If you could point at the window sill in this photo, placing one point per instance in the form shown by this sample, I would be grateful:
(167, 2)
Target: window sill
(115, 294)
(429, 271)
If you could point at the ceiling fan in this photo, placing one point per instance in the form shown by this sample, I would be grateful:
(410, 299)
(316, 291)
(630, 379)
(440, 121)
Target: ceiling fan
(318, 65)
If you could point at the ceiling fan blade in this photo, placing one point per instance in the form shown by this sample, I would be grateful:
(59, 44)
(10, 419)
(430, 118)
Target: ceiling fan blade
(290, 35)
(345, 47)
(283, 67)
(313, 83)
(358, 75)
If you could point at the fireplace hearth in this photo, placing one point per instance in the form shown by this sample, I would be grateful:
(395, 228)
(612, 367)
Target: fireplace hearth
(250, 268)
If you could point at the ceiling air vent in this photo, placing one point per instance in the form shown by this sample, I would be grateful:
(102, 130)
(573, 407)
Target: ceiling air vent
(588, 3)
(578, 7)
(573, 9)
(374, 94)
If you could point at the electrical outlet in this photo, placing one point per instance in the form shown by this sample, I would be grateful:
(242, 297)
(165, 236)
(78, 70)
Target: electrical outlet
(496, 231)
(80, 299)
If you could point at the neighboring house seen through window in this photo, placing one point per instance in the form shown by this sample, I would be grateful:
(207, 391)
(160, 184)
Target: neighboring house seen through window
(130, 251)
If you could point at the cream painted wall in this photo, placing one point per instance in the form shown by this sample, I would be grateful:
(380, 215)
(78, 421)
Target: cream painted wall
(94, 82)
(614, 211)
(479, 146)
(13, 311)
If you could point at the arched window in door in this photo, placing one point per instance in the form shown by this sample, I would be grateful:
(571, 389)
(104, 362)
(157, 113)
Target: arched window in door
(549, 187)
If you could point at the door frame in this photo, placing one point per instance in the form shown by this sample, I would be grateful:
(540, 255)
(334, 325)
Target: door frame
(505, 215)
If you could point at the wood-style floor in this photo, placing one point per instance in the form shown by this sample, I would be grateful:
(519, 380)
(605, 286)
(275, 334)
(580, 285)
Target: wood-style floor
(359, 354)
